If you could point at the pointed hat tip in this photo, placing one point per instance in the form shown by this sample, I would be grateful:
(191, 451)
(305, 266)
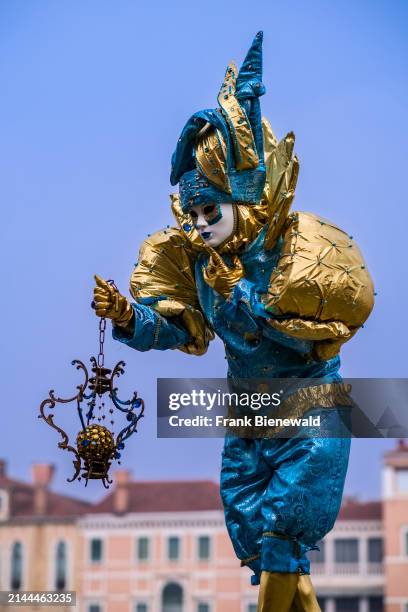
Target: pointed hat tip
(252, 64)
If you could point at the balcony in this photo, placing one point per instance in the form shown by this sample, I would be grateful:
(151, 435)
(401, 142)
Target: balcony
(348, 569)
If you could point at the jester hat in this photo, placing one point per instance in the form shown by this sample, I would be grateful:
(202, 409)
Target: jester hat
(230, 136)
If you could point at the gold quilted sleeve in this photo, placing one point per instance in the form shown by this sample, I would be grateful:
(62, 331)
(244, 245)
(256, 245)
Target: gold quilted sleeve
(165, 270)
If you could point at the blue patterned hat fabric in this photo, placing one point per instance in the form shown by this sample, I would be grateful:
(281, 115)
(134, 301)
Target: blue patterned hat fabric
(195, 188)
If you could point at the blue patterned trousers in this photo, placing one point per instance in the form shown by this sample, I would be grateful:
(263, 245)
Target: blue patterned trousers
(282, 495)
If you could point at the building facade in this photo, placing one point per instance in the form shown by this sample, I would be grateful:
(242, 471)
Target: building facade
(162, 547)
(395, 503)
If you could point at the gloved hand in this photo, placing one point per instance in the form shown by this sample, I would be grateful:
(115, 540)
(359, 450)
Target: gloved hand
(108, 302)
(219, 276)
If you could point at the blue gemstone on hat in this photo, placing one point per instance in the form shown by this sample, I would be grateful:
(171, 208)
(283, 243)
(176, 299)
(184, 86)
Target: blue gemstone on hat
(186, 227)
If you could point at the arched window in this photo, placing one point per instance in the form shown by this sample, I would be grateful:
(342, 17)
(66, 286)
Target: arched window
(172, 598)
(61, 566)
(16, 566)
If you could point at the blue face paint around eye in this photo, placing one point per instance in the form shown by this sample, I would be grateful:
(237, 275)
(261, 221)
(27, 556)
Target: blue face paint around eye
(212, 213)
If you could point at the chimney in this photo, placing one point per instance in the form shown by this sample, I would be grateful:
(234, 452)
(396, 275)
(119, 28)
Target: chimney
(3, 468)
(121, 495)
(402, 445)
(42, 474)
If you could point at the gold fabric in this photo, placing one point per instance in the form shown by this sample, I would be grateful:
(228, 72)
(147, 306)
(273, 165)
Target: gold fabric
(277, 591)
(221, 277)
(210, 157)
(305, 596)
(284, 592)
(295, 406)
(246, 156)
(282, 174)
(321, 283)
(166, 269)
(112, 304)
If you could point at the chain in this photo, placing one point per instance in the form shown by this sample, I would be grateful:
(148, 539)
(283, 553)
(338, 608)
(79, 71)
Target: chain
(102, 328)
(101, 356)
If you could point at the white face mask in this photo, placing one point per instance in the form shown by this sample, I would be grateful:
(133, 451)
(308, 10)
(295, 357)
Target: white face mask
(214, 222)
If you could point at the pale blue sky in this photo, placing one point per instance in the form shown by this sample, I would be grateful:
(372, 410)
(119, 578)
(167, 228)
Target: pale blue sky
(94, 95)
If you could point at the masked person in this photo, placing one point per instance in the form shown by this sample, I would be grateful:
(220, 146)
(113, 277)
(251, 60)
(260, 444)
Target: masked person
(284, 292)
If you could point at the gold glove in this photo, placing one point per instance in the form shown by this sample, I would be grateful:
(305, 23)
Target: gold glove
(219, 276)
(112, 304)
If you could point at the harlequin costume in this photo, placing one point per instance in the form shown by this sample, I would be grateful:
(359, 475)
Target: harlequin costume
(284, 292)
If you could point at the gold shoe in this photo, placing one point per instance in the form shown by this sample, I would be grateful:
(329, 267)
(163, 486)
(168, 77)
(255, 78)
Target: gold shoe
(305, 597)
(277, 591)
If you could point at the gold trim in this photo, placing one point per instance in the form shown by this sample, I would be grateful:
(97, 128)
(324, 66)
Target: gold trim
(324, 396)
(249, 559)
(240, 128)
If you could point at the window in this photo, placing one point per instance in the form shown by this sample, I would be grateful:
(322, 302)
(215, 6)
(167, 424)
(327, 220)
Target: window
(96, 550)
(3, 502)
(375, 604)
(172, 598)
(347, 604)
(402, 480)
(143, 548)
(61, 567)
(375, 550)
(346, 551)
(322, 603)
(16, 566)
(203, 607)
(252, 607)
(203, 547)
(94, 608)
(141, 607)
(173, 548)
(318, 556)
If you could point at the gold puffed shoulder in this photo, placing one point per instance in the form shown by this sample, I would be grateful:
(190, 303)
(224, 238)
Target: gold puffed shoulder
(321, 284)
(165, 270)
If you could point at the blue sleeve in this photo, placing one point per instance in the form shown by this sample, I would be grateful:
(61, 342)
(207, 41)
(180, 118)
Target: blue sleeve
(151, 331)
(247, 300)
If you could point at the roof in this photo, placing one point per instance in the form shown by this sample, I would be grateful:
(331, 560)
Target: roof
(22, 501)
(152, 496)
(353, 510)
(401, 447)
(167, 496)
